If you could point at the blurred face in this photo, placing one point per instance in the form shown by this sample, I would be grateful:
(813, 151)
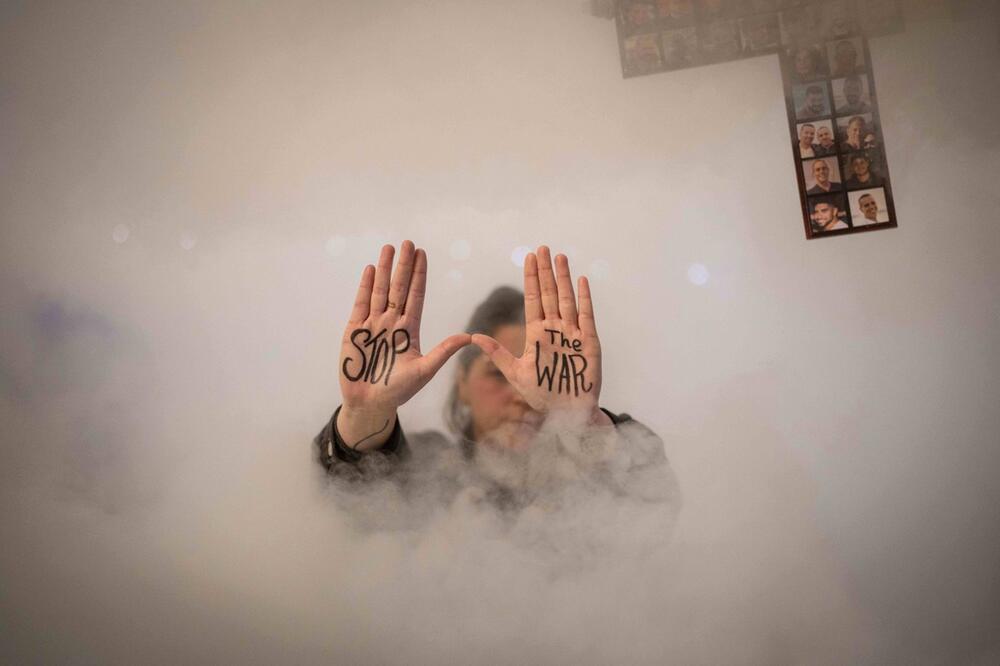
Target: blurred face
(847, 56)
(852, 92)
(640, 13)
(803, 62)
(499, 414)
(821, 172)
(825, 137)
(869, 207)
(806, 135)
(854, 131)
(814, 101)
(860, 166)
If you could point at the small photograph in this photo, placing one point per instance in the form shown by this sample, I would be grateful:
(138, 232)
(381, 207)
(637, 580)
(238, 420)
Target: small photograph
(679, 48)
(828, 213)
(847, 57)
(713, 10)
(862, 171)
(815, 139)
(720, 41)
(675, 12)
(839, 19)
(857, 132)
(851, 95)
(869, 207)
(637, 15)
(880, 17)
(802, 25)
(761, 33)
(642, 54)
(761, 6)
(822, 175)
(811, 100)
(808, 63)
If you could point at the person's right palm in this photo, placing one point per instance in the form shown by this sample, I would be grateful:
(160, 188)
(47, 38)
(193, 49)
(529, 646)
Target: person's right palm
(381, 366)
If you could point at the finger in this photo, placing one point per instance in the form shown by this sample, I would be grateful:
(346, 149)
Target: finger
(380, 291)
(564, 285)
(532, 293)
(400, 283)
(587, 323)
(363, 299)
(414, 307)
(547, 283)
(436, 357)
(497, 353)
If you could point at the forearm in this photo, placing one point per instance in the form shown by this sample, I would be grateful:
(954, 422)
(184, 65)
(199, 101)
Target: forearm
(365, 429)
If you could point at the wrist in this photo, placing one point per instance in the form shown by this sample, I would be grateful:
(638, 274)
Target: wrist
(365, 428)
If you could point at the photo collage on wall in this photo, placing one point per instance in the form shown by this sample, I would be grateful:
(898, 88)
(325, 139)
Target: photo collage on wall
(828, 80)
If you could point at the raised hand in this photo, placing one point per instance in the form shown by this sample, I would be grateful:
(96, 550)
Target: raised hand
(560, 368)
(381, 366)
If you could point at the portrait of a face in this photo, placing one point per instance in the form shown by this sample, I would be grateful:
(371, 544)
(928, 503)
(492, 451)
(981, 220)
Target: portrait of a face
(810, 100)
(851, 95)
(869, 206)
(853, 130)
(808, 63)
(828, 213)
(846, 57)
(839, 19)
(761, 33)
(821, 175)
(824, 137)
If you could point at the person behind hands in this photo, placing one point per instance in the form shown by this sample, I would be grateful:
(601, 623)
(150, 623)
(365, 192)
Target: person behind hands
(529, 365)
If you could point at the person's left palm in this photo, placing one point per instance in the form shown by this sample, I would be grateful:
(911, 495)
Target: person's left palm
(560, 367)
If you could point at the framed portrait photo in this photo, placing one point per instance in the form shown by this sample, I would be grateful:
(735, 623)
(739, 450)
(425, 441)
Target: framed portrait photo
(869, 207)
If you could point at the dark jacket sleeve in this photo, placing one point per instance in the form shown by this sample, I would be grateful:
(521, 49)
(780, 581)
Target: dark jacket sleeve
(650, 476)
(334, 454)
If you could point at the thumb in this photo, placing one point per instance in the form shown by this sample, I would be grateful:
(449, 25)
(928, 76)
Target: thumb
(501, 358)
(435, 358)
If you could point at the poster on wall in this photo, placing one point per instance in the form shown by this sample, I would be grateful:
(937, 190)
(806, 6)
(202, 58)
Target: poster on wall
(829, 85)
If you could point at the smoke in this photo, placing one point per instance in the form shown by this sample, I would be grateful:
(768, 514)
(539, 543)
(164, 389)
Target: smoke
(188, 193)
(239, 547)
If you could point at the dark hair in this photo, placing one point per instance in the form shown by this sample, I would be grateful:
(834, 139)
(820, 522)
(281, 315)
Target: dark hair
(815, 89)
(504, 305)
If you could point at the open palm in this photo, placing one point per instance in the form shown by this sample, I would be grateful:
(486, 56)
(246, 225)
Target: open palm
(381, 366)
(560, 367)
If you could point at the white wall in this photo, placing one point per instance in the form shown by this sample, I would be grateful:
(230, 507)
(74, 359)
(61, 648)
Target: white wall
(282, 143)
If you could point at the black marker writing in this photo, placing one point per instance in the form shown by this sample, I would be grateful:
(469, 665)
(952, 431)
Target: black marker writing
(358, 443)
(378, 355)
(570, 367)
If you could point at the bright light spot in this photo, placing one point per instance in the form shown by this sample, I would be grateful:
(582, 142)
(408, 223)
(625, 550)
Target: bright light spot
(120, 234)
(455, 278)
(336, 245)
(698, 274)
(600, 269)
(460, 250)
(519, 254)
(188, 240)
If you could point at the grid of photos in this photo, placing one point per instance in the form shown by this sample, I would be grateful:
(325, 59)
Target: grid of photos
(837, 137)
(666, 35)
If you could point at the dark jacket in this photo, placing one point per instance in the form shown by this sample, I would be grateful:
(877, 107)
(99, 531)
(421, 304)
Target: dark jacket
(640, 470)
